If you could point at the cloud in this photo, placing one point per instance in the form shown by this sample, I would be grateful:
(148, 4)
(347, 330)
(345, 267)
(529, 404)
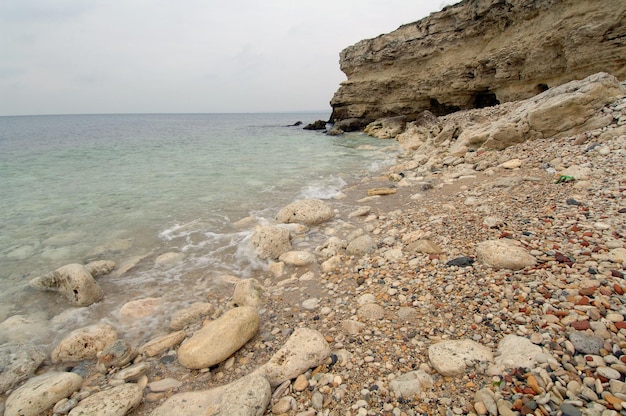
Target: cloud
(70, 56)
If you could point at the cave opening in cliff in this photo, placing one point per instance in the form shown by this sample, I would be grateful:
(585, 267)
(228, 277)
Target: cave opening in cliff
(485, 99)
(440, 109)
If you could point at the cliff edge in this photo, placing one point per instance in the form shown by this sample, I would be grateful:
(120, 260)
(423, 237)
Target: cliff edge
(479, 53)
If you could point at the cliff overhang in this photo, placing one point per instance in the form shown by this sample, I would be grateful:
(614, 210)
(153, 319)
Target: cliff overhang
(479, 53)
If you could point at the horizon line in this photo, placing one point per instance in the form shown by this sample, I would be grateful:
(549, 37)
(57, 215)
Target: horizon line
(165, 113)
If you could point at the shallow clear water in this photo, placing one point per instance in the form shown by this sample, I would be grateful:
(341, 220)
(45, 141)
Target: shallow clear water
(87, 187)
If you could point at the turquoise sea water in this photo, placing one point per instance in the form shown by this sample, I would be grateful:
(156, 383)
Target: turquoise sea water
(88, 187)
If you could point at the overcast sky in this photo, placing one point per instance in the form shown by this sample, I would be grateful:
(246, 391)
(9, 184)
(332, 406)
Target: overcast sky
(183, 56)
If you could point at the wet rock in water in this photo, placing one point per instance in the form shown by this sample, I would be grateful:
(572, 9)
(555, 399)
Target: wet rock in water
(21, 329)
(269, 242)
(451, 358)
(305, 348)
(194, 312)
(316, 125)
(219, 339)
(132, 373)
(73, 281)
(140, 308)
(118, 354)
(504, 254)
(463, 261)
(117, 401)
(306, 211)
(100, 267)
(248, 396)
(84, 343)
(297, 258)
(247, 293)
(163, 343)
(169, 259)
(164, 384)
(411, 383)
(40, 393)
(361, 245)
(17, 363)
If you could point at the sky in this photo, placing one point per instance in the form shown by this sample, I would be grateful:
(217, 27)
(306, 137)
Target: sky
(184, 56)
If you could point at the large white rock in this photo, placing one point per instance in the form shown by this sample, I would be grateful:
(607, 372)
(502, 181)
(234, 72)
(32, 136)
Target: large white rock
(194, 312)
(504, 254)
(40, 393)
(74, 281)
(84, 343)
(248, 396)
(269, 242)
(411, 383)
(451, 358)
(361, 245)
(247, 293)
(305, 348)
(306, 211)
(17, 363)
(297, 258)
(617, 255)
(220, 338)
(118, 401)
(516, 352)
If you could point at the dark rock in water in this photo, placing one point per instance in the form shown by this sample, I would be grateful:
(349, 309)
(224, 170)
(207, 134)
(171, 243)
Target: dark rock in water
(464, 261)
(350, 124)
(297, 123)
(317, 125)
(335, 131)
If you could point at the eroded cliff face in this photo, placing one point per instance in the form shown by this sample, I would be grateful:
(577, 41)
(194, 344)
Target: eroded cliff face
(479, 53)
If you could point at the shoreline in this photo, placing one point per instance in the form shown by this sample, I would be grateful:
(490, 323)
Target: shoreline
(381, 313)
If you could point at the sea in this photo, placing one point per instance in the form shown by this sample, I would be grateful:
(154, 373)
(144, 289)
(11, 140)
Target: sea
(132, 187)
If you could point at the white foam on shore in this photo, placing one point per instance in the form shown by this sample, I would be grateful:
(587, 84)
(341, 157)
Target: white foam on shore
(327, 188)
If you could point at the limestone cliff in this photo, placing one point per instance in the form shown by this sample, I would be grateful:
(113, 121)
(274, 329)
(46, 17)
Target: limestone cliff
(479, 53)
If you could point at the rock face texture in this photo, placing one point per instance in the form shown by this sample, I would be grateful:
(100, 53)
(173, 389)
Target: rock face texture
(479, 53)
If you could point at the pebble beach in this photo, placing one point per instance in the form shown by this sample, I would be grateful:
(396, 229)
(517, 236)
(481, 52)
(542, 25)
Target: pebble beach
(424, 317)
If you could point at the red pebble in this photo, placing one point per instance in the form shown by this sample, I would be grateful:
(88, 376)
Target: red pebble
(586, 291)
(580, 325)
(618, 289)
(617, 273)
(583, 301)
(620, 325)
